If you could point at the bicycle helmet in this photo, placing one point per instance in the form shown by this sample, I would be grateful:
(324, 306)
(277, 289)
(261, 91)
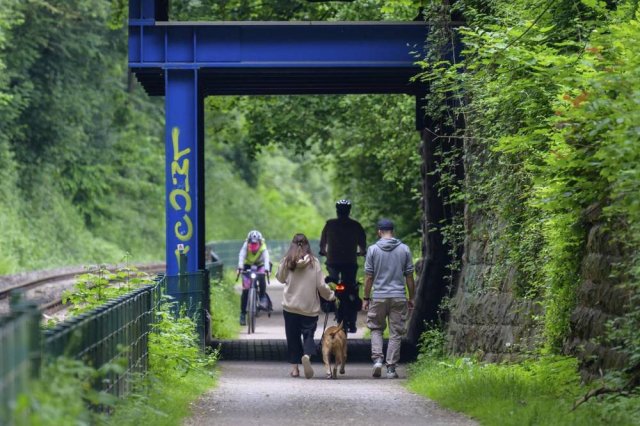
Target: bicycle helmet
(343, 206)
(254, 236)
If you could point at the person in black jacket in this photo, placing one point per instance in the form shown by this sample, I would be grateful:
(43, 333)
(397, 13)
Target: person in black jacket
(342, 240)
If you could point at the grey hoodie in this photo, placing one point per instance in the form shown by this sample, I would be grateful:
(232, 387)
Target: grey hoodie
(389, 261)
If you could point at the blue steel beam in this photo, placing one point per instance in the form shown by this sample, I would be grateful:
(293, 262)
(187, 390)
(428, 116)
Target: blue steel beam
(281, 57)
(184, 161)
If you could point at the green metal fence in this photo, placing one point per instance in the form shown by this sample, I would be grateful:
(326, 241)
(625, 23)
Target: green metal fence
(19, 353)
(189, 292)
(117, 332)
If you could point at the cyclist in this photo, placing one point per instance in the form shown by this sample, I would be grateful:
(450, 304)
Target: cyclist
(342, 240)
(254, 252)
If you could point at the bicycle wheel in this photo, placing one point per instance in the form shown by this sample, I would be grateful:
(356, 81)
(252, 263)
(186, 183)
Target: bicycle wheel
(251, 311)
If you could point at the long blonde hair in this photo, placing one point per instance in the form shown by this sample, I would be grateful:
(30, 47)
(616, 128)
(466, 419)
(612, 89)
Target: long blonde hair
(298, 249)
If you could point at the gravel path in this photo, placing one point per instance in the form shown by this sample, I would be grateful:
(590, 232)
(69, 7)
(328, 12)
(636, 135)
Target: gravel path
(262, 393)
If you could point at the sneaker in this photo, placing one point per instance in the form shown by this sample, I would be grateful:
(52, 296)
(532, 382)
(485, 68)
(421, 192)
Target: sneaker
(377, 368)
(264, 302)
(243, 319)
(391, 372)
(306, 364)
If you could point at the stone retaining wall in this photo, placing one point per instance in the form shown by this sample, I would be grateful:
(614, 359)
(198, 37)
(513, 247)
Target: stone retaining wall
(489, 321)
(599, 300)
(492, 322)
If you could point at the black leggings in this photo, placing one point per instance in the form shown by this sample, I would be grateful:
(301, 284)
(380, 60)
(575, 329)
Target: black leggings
(296, 325)
(345, 272)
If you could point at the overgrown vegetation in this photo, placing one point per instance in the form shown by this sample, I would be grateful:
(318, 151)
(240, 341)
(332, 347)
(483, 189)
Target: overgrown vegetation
(541, 111)
(225, 307)
(544, 104)
(538, 391)
(99, 284)
(178, 373)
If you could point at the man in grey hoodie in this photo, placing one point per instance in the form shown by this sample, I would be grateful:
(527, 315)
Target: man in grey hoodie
(387, 267)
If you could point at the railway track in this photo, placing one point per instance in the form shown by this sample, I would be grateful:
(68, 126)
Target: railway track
(46, 287)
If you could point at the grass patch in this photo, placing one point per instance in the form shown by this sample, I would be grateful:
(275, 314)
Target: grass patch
(225, 307)
(534, 392)
(166, 402)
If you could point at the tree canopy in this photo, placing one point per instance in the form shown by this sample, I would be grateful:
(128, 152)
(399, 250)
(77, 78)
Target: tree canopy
(82, 145)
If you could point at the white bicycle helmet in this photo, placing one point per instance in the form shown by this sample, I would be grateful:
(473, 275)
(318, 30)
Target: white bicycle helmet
(254, 236)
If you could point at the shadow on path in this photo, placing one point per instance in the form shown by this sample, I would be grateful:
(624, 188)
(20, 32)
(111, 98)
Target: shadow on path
(268, 342)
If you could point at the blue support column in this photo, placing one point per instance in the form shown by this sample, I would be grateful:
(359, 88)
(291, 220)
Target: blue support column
(184, 170)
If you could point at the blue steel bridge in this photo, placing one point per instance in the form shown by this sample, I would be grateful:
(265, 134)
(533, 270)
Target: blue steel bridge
(187, 61)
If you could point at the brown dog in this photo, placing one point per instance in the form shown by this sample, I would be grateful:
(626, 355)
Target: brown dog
(334, 342)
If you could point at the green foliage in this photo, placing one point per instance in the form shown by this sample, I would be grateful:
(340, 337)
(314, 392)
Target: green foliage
(73, 140)
(286, 10)
(432, 342)
(597, 133)
(278, 203)
(225, 303)
(363, 146)
(61, 396)
(99, 285)
(535, 392)
(173, 346)
(178, 373)
(547, 93)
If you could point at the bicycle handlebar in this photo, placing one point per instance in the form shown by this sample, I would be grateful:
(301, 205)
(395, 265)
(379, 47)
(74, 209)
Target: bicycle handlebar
(248, 273)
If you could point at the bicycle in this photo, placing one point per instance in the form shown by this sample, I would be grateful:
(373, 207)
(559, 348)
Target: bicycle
(349, 303)
(253, 299)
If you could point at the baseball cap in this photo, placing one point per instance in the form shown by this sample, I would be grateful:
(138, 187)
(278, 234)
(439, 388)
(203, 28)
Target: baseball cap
(385, 225)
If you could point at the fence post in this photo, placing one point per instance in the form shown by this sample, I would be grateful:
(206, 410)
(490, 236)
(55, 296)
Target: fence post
(182, 270)
(206, 311)
(20, 306)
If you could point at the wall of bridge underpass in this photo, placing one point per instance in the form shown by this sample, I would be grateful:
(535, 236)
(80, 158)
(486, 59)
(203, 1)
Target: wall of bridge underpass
(491, 321)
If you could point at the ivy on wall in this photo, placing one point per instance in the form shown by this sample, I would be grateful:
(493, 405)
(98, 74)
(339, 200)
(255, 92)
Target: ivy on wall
(546, 101)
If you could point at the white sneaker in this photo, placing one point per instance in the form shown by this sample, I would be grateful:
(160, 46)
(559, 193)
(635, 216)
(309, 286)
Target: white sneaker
(391, 372)
(377, 368)
(306, 364)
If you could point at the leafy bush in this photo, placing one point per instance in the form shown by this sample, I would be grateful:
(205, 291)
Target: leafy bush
(99, 285)
(178, 373)
(61, 396)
